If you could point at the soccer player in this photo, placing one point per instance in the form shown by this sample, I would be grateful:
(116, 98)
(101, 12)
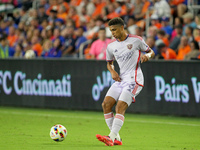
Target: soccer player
(126, 49)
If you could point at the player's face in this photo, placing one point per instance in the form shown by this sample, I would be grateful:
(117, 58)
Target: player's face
(116, 31)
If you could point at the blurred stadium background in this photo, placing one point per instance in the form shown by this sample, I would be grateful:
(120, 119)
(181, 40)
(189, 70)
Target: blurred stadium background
(51, 72)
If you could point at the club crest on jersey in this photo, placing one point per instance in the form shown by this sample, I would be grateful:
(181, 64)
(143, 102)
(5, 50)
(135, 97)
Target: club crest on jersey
(129, 46)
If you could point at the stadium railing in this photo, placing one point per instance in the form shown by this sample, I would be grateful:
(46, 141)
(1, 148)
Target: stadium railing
(82, 47)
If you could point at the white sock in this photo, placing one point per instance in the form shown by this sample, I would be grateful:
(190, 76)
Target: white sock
(118, 137)
(113, 136)
(109, 117)
(117, 124)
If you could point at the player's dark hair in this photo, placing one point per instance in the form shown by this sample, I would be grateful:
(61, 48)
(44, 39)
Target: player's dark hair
(116, 21)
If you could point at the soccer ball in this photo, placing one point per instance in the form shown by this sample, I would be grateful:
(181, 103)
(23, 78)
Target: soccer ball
(58, 132)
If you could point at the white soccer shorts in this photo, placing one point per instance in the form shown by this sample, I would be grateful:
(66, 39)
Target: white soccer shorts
(124, 91)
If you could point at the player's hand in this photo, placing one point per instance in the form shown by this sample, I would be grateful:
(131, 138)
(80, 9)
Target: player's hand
(115, 76)
(144, 58)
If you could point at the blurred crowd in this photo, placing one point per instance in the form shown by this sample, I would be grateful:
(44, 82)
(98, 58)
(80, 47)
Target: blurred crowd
(78, 28)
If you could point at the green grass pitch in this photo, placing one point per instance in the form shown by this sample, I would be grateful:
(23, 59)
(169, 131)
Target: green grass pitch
(28, 129)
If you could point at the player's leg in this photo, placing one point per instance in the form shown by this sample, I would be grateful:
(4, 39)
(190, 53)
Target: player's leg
(119, 119)
(109, 101)
(126, 98)
(107, 105)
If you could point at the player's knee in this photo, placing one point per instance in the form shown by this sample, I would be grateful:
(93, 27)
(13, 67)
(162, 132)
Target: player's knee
(107, 104)
(104, 105)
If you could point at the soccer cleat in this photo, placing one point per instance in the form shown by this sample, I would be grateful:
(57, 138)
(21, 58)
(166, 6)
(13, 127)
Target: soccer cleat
(105, 139)
(116, 142)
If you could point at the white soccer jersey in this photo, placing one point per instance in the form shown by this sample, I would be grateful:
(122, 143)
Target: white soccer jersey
(127, 54)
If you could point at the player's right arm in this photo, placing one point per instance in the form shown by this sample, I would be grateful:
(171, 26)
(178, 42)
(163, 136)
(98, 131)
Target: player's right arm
(114, 74)
(110, 65)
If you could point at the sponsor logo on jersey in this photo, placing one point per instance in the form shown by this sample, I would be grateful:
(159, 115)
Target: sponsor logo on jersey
(126, 56)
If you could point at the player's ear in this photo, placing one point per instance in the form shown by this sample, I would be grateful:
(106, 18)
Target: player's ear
(122, 27)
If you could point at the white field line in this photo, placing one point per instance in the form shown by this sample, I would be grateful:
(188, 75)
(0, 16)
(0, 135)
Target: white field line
(94, 118)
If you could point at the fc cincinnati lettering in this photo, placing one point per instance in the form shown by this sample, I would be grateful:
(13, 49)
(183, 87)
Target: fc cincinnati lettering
(37, 86)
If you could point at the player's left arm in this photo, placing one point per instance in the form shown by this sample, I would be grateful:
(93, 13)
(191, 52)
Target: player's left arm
(150, 54)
